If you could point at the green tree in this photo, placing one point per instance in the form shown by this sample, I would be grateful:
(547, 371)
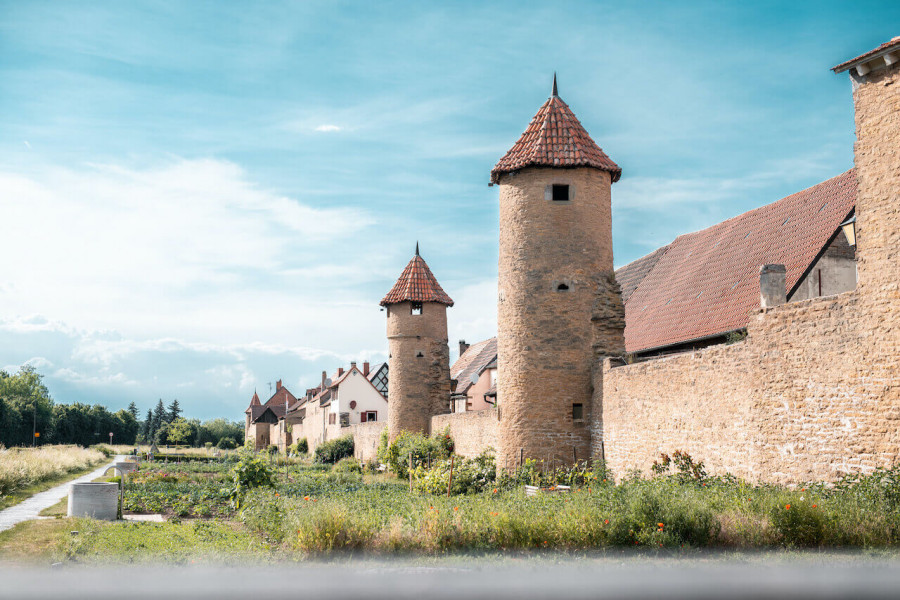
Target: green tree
(159, 418)
(180, 431)
(174, 411)
(133, 409)
(28, 407)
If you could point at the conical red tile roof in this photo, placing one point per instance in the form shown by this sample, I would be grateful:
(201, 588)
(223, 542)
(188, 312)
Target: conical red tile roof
(555, 138)
(416, 284)
(254, 401)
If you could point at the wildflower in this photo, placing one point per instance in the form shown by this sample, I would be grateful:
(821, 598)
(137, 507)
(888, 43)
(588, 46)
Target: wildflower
(493, 514)
(787, 507)
(455, 508)
(495, 490)
(803, 490)
(606, 522)
(815, 505)
(306, 497)
(660, 525)
(277, 494)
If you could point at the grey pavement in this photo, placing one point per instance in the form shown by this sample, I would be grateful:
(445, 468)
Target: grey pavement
(29, 509)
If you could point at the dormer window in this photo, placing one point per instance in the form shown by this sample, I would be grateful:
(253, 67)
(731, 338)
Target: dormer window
(416, 308)
(560, 192)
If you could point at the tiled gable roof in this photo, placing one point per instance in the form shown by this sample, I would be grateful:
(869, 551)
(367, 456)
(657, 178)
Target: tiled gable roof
(278, 398)
(707, 283)
(882, 49)
(416, 284)
(258, 411)
(474, 360)
(631, 275)
(555, 138)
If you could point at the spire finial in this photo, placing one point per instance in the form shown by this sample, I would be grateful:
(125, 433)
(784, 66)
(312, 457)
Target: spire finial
(555, 91)
(417, 247)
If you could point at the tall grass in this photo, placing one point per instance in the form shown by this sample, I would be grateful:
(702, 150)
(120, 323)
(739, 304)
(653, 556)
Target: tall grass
(22, 467)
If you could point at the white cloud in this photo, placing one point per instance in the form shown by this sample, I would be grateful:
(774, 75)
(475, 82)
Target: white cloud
(328, 128)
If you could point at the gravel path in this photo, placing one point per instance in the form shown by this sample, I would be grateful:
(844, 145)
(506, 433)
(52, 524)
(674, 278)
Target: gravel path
(29, 509)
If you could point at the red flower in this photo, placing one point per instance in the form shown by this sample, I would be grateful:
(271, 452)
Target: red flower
(787, 507)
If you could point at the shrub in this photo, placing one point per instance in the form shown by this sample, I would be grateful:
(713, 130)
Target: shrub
(424, 450)
(798, 524)
(272, 449)
(250, 472)
(301, 447)
(226, 443)
(347, 465)
(334, 450)
(470, 476)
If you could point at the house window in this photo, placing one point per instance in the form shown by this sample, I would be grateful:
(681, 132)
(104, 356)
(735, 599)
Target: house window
(332, 419)
(416, 308)
(560, 192)
(368, 416)
(578, 413)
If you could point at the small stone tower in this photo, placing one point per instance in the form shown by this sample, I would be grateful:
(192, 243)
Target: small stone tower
(559, 307)
(419, 361)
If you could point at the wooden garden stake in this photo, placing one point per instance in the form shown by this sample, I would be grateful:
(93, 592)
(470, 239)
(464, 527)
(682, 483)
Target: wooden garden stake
(450, 481)
(410, 471)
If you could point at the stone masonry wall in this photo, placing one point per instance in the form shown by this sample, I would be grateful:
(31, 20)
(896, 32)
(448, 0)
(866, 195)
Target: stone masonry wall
(419, 366)
(472, 431)
(546, 338)
(365, 439)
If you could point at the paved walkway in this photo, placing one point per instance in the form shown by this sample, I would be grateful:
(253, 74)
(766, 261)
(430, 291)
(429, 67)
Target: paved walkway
(29, 509)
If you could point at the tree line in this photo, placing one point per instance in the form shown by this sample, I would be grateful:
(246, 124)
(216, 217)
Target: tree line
(26, 408)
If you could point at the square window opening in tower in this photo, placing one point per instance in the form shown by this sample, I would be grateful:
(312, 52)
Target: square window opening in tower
(416, 308)
(560, 192)
(578, 413)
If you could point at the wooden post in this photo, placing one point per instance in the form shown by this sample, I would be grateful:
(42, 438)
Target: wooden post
(575, 454)
(450, 481)
(521, 457)
(410, 471)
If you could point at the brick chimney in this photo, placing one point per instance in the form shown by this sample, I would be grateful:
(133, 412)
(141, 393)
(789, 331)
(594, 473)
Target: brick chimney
(463, 346)
(324, 377)
(277, 385)
(772, 286)
(366, 368)
(340, 371)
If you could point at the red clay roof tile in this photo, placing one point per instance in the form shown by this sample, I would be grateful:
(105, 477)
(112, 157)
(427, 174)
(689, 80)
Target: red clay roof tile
(416, 284)
(707, 283)
(555, 138)
(894, 43)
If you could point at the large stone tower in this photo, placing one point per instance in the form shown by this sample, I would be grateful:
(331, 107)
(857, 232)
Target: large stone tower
(559, 307)
(419, 361)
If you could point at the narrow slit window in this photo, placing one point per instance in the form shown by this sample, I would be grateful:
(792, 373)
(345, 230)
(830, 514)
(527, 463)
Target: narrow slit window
(560, 192)
(416, 308)
(578, 412)
(420, 354)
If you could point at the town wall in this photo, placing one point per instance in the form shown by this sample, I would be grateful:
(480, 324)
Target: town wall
(472, 432)
(814, 390)
(366, 437)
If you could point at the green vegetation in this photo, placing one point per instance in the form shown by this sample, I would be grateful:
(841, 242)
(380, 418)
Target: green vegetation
(248, 504)
(334, 450)
(423, 450)
(26, 471)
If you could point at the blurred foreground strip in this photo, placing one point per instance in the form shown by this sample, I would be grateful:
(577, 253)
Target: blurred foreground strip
(467, 578)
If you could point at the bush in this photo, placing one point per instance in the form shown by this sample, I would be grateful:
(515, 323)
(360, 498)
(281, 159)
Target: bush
(250, 472)
(334, 450)
(226, 444)
(272, 449)
(424, 450)
(799, 524)
(470, 476)
(347, 465)
(301, 447)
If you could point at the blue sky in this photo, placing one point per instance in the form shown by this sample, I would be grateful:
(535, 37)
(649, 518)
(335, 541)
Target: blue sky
(199, 198)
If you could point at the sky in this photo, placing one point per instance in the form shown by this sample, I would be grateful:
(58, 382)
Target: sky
(200, 198)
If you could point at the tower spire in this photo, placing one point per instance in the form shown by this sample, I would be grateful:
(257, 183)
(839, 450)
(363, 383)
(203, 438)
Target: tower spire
(417, 247)
(555, 91)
